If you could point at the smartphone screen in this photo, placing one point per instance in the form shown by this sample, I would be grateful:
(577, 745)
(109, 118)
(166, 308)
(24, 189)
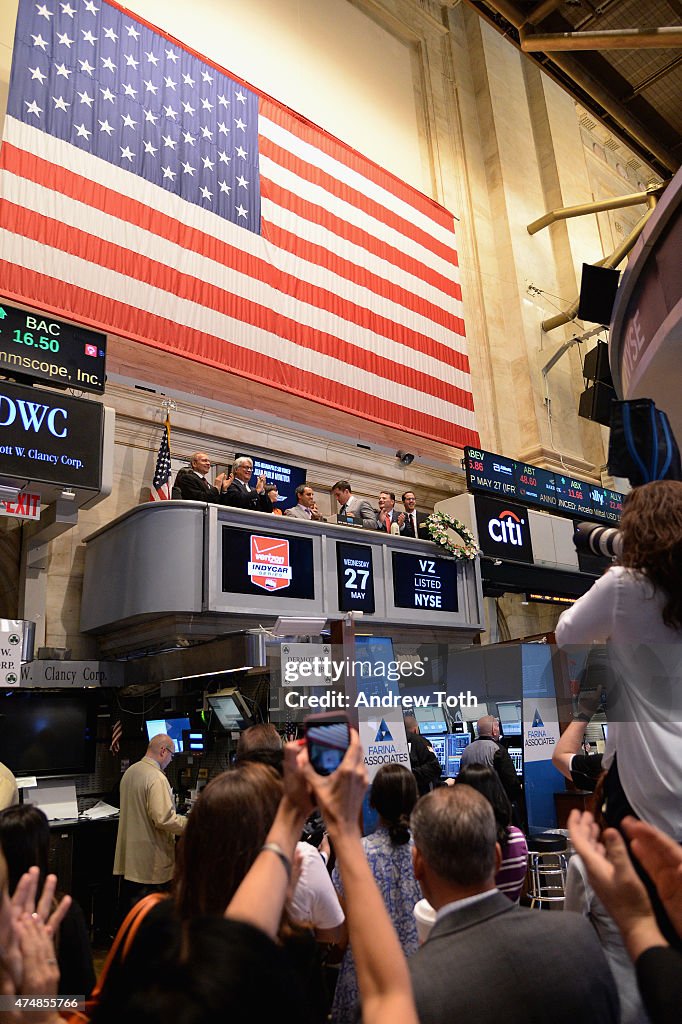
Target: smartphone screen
(327, 738)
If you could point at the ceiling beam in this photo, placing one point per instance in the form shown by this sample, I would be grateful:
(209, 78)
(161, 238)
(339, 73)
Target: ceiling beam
(606, 39)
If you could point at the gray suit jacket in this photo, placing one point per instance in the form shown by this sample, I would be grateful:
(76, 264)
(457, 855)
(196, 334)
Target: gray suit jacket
(494, 962)
(360, 509)
(297, 513)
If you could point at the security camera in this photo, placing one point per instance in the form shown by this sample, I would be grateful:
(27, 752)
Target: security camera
(407, 458)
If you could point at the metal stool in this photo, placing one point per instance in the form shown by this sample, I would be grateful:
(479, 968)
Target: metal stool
(547, 864)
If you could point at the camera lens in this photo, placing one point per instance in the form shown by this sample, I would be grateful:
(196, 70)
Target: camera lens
(591, 539)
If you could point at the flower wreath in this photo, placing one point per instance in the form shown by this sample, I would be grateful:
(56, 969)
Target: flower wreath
(441, 527)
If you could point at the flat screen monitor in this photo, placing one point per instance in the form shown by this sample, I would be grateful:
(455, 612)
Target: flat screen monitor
(509, 713)
(456, 743)
(516, 754)
(230, 710)
(373, 655)
(47, 734)
(193, 742)
(172, 727)
(440, 750)
(431, 721)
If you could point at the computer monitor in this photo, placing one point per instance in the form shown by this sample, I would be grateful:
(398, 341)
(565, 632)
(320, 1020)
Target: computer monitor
(440, 750)
(456, 743)
(431, 720)
(374, 663)
(46, 734)
(509, 713)
(230, 709)
(516, 754)
(193, 741)
(172, 727)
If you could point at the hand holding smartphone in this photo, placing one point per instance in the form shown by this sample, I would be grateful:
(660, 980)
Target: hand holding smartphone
(327, 738)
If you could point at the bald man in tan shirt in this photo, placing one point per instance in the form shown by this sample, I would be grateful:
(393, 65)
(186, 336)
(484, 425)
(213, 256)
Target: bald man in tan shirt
(9, 794)
(148, 823)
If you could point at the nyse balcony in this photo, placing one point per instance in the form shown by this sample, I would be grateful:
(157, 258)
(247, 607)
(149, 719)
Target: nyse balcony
(187, 569)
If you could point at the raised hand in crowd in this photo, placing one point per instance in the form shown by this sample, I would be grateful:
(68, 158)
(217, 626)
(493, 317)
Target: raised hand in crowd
(260, 898)
(383, 977)
(661, 858)
(616, 883)
(28, 962)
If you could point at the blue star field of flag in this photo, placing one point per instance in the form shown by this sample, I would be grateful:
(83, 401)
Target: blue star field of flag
(91, 75)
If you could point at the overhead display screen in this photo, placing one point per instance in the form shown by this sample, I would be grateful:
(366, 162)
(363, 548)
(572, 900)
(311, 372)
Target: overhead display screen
(492, 473)
(536, 486)
(258, 563)
(48, 437)
(423, 582)
(561, 494)
(355, 575)
(38, 347)
(573, 496)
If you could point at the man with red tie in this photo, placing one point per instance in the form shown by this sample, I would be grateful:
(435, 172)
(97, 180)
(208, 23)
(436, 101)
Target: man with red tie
(415, 522)
(191, 484)
(388, 513)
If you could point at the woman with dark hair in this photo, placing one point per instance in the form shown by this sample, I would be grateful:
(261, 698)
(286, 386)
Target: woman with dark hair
(25, 842)
(389, 851)
(225, 833)
(510, 877)
(636, 607)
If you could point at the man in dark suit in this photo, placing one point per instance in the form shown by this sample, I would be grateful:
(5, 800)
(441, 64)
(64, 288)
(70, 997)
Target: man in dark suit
(424, 764)
(388, 513)
(414, 521)
(240, 494)
(357, 509)
(191, 483)
(486, 749)
(486, 959)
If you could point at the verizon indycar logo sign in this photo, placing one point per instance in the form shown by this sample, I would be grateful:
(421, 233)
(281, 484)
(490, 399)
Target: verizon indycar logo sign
(269, 567)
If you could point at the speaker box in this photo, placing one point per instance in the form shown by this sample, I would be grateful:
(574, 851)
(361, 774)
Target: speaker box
(598, 288)
(595, 403)
(596, 366)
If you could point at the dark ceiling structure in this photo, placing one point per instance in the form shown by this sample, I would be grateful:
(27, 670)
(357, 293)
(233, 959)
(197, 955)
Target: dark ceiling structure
(620, 59)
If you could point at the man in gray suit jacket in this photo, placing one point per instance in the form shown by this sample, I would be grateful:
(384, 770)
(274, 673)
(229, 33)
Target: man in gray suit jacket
(487, 961)
(306, 508)
(357, 509)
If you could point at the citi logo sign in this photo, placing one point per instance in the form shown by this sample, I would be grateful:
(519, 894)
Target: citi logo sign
(33, 416)
(507, 529)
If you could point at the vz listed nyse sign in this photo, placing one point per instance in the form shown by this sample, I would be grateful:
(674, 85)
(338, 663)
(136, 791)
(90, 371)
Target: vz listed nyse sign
(49, 438)
(423, 582)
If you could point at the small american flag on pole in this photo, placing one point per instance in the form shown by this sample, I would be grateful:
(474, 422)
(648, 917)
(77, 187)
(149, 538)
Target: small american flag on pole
(160, 489)
(116, 733)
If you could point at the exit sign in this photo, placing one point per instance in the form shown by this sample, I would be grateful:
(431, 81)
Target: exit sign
(24, 506)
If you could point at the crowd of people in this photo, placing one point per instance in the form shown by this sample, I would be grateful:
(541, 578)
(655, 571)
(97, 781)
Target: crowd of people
(235, 489)
(239, 918)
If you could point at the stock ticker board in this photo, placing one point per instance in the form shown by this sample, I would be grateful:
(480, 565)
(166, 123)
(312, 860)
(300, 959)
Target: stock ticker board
(488, 473)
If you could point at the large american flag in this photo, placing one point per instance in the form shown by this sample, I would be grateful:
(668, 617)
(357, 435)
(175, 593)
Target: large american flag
(146, 192)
